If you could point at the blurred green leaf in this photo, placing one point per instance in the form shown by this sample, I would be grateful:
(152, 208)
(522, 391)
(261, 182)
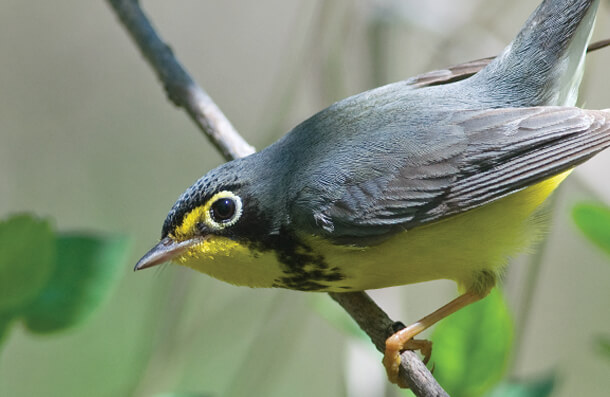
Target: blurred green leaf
(87, 268)
(594, 221)
(471, 347)
(330, 310)
(603, 344)
(182, 394)
(6, 321)
(26, 259)
(542, 387)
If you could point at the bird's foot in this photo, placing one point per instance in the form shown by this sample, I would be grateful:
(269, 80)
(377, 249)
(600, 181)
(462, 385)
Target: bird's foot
(400, 341)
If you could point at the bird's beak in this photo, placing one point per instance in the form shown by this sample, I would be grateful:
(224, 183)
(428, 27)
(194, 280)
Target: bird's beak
(166, 250)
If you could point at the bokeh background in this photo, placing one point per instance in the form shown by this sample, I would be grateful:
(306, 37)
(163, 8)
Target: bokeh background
(88, 138)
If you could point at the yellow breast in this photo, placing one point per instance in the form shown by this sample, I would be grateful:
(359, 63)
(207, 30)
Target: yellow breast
(456, 248)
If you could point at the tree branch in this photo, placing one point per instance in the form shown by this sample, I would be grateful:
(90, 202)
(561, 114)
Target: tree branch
(185, 93)
(377, 325)
(181, 89)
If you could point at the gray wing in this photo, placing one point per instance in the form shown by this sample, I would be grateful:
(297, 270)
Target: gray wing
(501, 152)
(467, 69)
(449, 75)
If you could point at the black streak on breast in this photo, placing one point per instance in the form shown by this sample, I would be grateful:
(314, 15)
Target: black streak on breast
(303, 268)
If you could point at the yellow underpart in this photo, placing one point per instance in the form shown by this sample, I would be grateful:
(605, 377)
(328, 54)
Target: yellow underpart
(230, 261)
(456, 248)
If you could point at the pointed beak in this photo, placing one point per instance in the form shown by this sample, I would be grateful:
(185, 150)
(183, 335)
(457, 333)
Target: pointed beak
(166, 250)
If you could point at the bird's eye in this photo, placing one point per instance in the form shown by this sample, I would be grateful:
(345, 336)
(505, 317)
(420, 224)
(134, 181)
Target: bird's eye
(223, 209)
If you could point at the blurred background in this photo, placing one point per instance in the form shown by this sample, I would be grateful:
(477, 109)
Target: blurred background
(88, 138)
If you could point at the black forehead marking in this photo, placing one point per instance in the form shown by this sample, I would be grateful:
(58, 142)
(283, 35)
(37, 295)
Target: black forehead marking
(198, 194)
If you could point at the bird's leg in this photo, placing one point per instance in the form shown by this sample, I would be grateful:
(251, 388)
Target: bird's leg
(403, 339)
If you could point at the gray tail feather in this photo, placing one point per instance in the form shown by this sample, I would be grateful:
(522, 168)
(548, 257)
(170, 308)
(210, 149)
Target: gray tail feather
(544, 63)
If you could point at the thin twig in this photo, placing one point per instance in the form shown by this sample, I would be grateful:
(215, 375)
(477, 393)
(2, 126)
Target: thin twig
(184, 92)
(181, 89)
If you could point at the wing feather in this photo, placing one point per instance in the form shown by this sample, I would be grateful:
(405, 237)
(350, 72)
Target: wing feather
(467, 69)
(502, 151)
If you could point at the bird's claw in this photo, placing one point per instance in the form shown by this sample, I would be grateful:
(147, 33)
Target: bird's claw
(395, 345)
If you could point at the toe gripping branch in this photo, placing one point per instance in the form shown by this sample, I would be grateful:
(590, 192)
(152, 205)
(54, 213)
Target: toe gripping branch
(402, 339)
(377, 325)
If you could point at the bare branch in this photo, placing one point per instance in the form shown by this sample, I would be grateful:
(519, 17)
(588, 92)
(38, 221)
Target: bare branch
(185, 93)
(181, 89)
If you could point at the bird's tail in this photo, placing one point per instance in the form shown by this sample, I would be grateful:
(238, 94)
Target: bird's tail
(544, 63)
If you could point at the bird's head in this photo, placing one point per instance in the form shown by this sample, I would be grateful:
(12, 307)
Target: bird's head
(220, 215)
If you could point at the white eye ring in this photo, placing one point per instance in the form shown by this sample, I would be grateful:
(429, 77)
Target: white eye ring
(235, 210)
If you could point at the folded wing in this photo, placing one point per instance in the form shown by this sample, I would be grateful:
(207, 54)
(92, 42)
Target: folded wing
(502, 151)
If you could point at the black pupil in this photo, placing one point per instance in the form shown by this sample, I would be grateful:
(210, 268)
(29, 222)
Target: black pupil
(223, 209)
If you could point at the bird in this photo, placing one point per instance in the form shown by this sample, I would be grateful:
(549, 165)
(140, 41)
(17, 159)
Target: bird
(404, 183)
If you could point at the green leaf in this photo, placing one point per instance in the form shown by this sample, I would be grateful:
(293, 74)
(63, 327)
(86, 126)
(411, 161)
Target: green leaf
(27, 251)
(6, 321)
(330, 310)
(594, 221)
(603, 345)
(87, 269)
(471, 347)
(542, 387)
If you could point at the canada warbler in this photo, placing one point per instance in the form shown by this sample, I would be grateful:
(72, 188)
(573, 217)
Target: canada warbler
(402, 184)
